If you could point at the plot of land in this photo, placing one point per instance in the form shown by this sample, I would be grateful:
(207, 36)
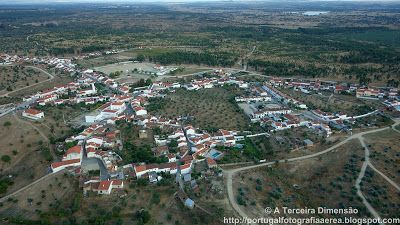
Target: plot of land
(380, 194)
(20, 143)
(40, 197)
(15, 77)
(58, 80)
(209, 108)
(385, 153)
(324, 181)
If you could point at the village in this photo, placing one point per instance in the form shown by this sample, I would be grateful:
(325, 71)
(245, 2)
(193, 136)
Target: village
(92, 155)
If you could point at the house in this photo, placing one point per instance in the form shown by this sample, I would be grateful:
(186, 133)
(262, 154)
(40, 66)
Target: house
(57, 166)
(104, 187)
(186, 201)
(33, 114)
(308, 143)
(211, 163)
(140, 111)
(73, 153)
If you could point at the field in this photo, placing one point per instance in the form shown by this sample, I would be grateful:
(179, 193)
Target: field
(324, 181)
(41, 197)
(15, 77)
(21, 152)
(63, 201)
(210, 109)
(385, 153)
(357, 43)
(58, 80)
(380, 194)
(329, 102)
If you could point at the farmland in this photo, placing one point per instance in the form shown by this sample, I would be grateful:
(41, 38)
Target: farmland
(16, 77)
(385, 153)
(211, 109)
(21, 148)
(325, 181)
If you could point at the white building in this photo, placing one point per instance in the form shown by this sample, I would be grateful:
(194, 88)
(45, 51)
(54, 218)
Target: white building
(33, 114)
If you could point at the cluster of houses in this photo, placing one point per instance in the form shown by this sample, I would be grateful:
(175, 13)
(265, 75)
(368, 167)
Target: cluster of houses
(213, 82)
(191, 145)
(306, 86)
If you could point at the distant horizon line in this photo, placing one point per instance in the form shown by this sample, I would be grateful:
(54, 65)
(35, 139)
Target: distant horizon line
(38, 2)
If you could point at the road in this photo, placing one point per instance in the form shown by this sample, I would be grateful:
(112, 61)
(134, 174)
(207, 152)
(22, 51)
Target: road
(33, 67)
(371, 209)
(230, 173)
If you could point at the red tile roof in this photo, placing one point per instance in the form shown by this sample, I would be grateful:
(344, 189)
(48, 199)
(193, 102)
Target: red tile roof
(211, 161)
(104, 185)
(33, 111)
(75, 149)
(64, 163)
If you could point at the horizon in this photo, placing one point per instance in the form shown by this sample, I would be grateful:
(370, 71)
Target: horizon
(184, 1)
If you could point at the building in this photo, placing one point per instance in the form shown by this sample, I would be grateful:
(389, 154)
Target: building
(211, 163)
(308, 143)
(73, 153)
(33, 114)
(57, 166)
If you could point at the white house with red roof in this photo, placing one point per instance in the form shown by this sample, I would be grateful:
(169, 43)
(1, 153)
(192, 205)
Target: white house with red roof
(57, 166)
(73, 153)
(104, 187)
(33, 114)
(140, 111)
(367, 93)
(118, 106)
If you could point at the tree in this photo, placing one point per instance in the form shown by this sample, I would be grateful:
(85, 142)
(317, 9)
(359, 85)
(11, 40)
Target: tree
(7, 124)
(142, 216)
(140, 58)
(6, 158)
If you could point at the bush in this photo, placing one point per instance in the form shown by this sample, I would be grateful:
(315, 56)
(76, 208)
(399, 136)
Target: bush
(7, 124)
(6, 158)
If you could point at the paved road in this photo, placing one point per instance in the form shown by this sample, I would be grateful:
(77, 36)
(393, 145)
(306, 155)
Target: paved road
(230, 173)
(33, 67)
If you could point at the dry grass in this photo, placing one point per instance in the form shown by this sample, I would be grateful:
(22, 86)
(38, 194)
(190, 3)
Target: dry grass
(380, 194)
(16, 77)
(42, 196)
(385, 153)
(324, 181)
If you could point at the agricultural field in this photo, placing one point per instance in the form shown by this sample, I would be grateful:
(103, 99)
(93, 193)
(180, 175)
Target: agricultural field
(344, 44)
(330, 102)
(24, 153)
(385, 153)
(54, 192)
(382, 196)
(16, 77)
(60, 199)
(282, 144)
(209, 109)
(327, 180)
(58, 80)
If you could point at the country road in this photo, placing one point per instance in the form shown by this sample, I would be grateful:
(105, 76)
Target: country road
(230, 173)
(361, 175)
(43, 81)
